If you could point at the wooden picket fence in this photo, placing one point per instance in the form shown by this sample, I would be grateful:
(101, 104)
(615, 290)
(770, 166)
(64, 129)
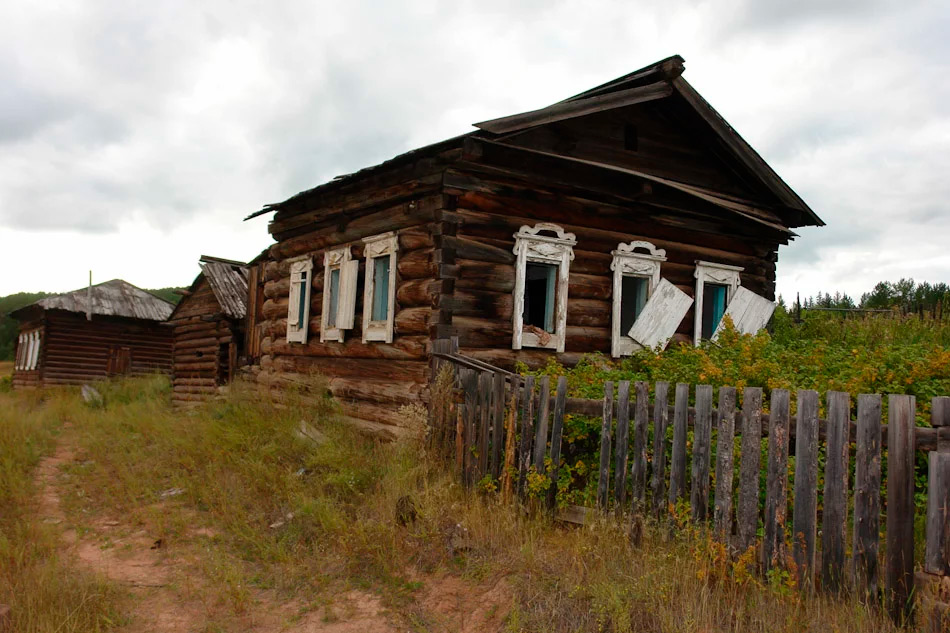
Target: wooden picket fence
(506, 426)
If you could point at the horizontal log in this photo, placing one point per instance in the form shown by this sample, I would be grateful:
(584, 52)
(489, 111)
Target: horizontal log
(274, 308)
(196, 366)
(478, 250)
(402, 348)
(476, 275)
(481, 303)
(412, 321)
(367, 368)
(210, 341)
(277, 288)
(194, 389)
(416, 292)
(416, 264)
(588, 312)
(385, 392)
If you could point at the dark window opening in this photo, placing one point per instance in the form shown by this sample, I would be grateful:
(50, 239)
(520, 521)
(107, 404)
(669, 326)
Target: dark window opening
(714, 306)
(380, 307)
(540, 287)
(631, 141)
(334, 297)
(224, 363)
(633, 296)
(303, 300)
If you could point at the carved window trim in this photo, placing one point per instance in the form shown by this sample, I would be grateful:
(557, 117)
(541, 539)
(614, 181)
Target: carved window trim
(333, 259)
(628, 261)
(301, 280)
(531, 246)
(715, 273)
(374, 247)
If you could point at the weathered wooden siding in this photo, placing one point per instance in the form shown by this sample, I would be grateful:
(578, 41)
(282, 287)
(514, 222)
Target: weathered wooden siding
(76, 351)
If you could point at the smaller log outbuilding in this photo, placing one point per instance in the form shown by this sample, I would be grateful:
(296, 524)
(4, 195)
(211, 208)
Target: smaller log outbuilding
(109, 329)
(208, 325)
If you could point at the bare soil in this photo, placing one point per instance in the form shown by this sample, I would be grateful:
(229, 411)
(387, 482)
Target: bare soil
(168, 592)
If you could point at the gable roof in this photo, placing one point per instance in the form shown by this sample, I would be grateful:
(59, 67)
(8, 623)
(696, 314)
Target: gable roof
(661, 80)
(228, 281)
(110, 298)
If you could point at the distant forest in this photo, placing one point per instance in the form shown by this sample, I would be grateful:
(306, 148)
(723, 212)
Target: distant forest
(9, 303)
(904, 296)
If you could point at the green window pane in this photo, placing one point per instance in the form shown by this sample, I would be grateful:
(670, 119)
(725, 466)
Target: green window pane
(334, 297)
(714, 307)
(380, 289)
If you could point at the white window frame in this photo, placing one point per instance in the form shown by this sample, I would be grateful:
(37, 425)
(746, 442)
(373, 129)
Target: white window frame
(336, 259)
(299, 266)
(531, 246)
(715, 273)
(374, 247)
(35, 357)
(629, 262)
(28, 351)
(20, 351)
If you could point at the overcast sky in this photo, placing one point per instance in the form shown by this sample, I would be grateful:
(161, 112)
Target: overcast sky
(135, 136)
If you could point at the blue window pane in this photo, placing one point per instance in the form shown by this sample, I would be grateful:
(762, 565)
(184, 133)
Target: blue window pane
(714, 307)
(380, 289)
(334, 297)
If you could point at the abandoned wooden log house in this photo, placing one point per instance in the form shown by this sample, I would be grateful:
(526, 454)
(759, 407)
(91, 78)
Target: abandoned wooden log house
(625, 216)
(109, 329)
(208, 325)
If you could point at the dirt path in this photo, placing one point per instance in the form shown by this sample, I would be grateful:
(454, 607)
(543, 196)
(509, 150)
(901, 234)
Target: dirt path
(168, 592)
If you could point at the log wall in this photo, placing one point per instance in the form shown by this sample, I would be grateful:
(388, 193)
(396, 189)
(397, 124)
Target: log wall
(23, 379)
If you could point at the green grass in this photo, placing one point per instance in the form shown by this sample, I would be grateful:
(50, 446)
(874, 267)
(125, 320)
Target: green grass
(243, 469)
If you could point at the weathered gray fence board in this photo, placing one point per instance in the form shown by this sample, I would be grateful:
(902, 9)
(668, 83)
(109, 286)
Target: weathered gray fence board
(937, 554)
(556, 431)
(899, 557)
(776, 487)
(678, 454)
(623, 432)
(725, 436)
(750, 467)
(702, 449)
(484, 418)
(660, 418)
(638, 472)
(470, 386)
(527, 434)
(835, 512)
(541, 428)
(603, 484)
(497, 423)
(940, 420)
(805, 511)
(867, 496)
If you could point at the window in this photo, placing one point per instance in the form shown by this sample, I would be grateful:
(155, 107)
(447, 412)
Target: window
(28, 351)
(379, 289)
(636, 269)
(541, 276)
(715, 286)
(337, 314)
(298, 308)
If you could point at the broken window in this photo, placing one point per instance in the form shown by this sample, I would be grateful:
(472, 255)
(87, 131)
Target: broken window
(298, 307)
(337, 311)
(715, 286)
(636, 268)
(544, 254)
(714, 306)
(379, 290)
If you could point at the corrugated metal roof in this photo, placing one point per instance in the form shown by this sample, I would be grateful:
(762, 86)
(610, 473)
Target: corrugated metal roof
(112, 298)
(228, 280)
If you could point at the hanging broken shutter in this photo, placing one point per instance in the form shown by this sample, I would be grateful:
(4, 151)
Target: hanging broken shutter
(346, 306)
(298, 307)
(661, 315)
(749, 312)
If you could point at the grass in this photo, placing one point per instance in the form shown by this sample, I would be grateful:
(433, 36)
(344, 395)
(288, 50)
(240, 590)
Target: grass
(305, 521)
(6, 368)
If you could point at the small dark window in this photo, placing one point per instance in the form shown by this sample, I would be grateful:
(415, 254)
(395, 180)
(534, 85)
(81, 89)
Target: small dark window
(630, 140)
(633, 296)
(714, 306)
(540, 287)
(334, 291)
(224, 363)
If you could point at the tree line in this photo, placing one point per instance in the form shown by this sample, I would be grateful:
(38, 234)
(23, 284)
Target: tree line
(905, 296)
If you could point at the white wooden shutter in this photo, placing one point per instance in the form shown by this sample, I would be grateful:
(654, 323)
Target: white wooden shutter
(35, 359)
(293, 306)
(346, 304)
(750, 312)
(661, 315)
(300, 271)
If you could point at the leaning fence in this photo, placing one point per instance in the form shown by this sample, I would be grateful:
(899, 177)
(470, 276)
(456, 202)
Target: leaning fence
(508, 428)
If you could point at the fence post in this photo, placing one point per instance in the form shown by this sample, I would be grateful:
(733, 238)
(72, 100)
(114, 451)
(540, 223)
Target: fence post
(835, 515)
(498, 423)
(867, 495)
(470, 386)
(527, 434)
(722, 507)
(485, 380)
(899, 565)
(678, 454)
(603, 485)
(750, 466)
(806, 487)
(776, 488)
(702, 449)
(661, 416)
(560, 404)
(541, 429)
(937, 558)
(638, 472)
(620, 455)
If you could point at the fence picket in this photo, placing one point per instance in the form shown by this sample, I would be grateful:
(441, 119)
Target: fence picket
(541, 428)
(638, 471)
(603, 485)
(937, 552)
(750, 466)
(678, 454)
(497, 423)
(623, 433)
(560, 404)
(702, 439)
(776, 487)
(804, 512)
(527, 434)
(484, 419)
(661, 416)
(725, 436)
(470, 386)
(940, 419)
(867, 496)
(835, 513)
(899, 563)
